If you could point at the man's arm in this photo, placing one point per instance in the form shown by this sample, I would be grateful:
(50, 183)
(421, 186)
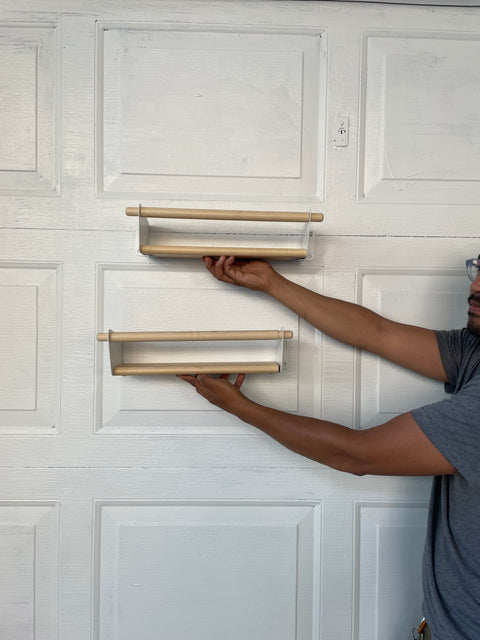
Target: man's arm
(409, 346)
(398, 447)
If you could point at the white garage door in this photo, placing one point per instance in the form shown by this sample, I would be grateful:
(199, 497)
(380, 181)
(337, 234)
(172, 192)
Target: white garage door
(129, 508)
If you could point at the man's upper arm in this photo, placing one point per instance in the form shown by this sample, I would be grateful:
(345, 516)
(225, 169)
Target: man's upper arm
(411, 347)
(437, 438)
(399, 447)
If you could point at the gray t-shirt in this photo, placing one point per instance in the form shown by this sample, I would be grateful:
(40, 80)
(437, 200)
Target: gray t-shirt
(451, 562)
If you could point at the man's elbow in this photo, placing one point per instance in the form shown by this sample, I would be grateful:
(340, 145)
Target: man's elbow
(359, 471)
(356, 456)
(354, 465)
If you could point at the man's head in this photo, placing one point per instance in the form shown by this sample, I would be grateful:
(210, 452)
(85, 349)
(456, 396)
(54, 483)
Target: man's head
(473, 272)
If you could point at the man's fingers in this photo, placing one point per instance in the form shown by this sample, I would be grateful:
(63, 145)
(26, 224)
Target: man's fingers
(204, 379)
(190, 379)
(217, 268)
(199, 382)
(210, 264)
(239, 380)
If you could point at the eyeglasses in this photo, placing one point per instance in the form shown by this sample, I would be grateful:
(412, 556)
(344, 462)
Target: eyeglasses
(473, 268)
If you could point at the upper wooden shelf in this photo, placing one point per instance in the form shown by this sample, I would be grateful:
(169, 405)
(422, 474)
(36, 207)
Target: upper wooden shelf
(146, 247)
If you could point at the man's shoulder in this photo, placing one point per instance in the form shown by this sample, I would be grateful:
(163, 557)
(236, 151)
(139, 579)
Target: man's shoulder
(460, 353)
(459, 337)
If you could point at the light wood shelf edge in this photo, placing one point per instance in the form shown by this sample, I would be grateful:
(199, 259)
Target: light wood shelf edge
(180, 336)
(193, 368)
(238, 252)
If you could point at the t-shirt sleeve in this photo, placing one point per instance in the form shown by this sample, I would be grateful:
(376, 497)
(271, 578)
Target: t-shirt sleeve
(453, 425)
(450, 344)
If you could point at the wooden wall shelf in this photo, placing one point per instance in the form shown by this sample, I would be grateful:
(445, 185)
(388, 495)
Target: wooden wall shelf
(146, 247)
(121, 368)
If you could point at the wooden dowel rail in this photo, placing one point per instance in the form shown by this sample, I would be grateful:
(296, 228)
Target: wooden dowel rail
(179, 336)
(239, 252)
(194, 368)
(217, 214)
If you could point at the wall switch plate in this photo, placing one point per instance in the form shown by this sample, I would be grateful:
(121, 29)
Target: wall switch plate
(341, 132)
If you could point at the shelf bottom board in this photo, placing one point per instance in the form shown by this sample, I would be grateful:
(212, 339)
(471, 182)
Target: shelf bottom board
(193, 368)
(239, 252)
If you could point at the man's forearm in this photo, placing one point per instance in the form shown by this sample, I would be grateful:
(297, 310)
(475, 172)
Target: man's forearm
(398, 447)
(326, 442)
(347, 322)
(409, 346)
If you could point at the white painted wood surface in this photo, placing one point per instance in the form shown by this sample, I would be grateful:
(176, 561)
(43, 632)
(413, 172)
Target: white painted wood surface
(129, 508)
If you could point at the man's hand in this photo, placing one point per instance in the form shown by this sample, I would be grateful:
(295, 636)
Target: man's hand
(252, 274)
(219, 391)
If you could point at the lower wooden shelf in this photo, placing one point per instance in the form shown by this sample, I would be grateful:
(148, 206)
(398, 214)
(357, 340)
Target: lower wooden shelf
(120, 368)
